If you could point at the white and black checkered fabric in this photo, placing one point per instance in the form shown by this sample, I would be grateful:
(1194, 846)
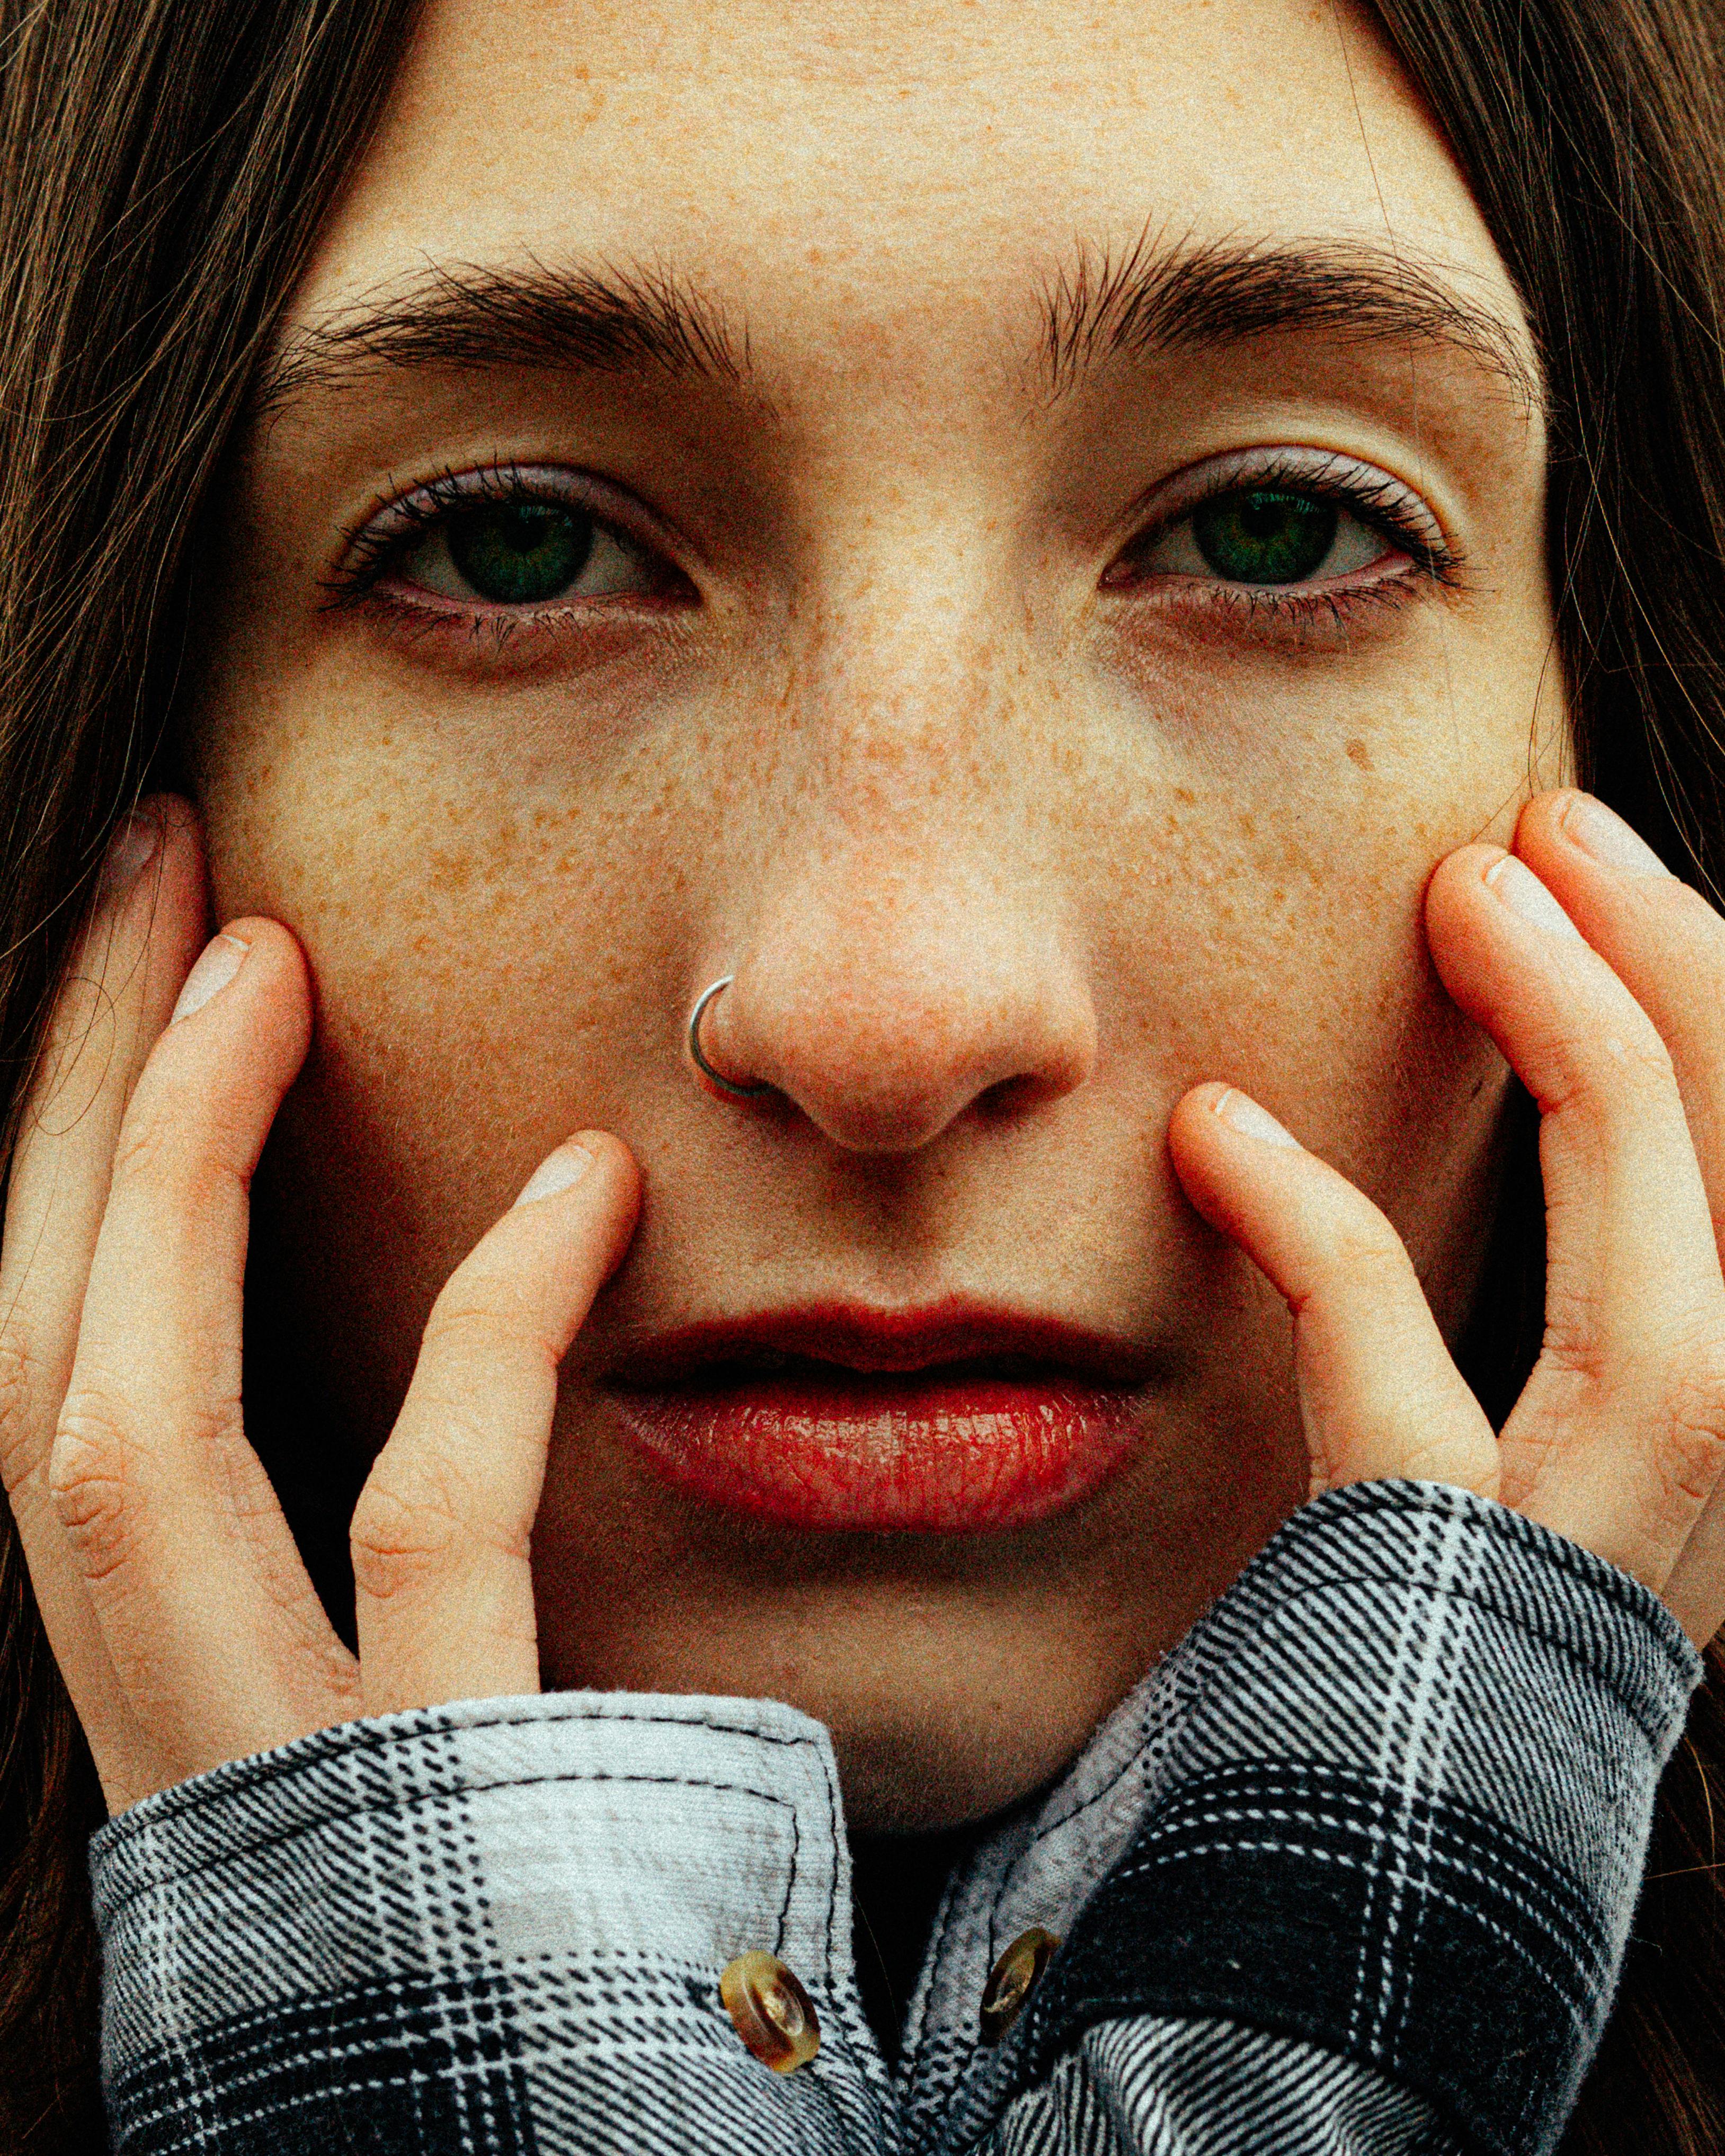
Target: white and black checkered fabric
(1351, 1871)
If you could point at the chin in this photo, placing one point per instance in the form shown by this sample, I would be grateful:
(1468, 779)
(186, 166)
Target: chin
(957, 1674)
(906, 1767)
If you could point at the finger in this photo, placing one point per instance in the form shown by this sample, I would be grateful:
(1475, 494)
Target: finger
(1661, 939)
(442, 1534)
(125, 970)
(1620, 1436)
(1667, 944)
(211, 1623)
(1379, 1393)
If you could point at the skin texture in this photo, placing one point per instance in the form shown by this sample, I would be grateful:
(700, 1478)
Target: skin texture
(1033, 880)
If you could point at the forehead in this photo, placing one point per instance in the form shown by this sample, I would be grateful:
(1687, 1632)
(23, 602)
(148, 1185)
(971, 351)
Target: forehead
(874, 160)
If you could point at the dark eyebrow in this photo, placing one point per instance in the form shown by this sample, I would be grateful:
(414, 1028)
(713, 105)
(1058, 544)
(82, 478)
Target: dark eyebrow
(1224, 292)
(602, 318)
(620, 319)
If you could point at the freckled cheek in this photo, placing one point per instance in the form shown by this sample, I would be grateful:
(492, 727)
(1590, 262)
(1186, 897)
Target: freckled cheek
(478, 965)
(1273, 937)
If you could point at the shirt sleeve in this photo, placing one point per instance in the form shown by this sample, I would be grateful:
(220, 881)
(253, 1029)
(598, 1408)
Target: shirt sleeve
(1387, 1868)
(1374, 1899)
(495, 1927)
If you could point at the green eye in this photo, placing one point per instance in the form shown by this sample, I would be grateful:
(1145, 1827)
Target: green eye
(520, 553)
(1261, 536)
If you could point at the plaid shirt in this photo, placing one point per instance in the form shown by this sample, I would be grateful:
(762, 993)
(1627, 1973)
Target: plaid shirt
(1351, 1871)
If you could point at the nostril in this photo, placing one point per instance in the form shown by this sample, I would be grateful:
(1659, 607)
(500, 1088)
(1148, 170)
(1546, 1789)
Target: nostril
(882, 1040)
(1007, 1097)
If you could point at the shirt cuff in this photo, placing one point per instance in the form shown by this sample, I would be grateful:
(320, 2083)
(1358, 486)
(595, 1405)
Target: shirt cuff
(1407, 1810)
(500, 1909)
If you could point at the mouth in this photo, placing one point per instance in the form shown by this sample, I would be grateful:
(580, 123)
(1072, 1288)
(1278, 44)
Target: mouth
(955, 1419)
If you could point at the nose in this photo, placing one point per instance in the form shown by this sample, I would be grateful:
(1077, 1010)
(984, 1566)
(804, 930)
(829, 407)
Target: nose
(884, 997)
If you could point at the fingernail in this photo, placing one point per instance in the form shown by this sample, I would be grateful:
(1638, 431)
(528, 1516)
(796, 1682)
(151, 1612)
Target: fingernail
(1241, 1112)
(130, 850)
(1602, 834)
(1522, 892)
(555, 1173)
(219, 963)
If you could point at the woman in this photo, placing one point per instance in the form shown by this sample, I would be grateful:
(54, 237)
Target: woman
(898, 615)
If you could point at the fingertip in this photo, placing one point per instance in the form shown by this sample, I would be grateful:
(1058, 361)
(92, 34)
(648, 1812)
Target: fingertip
(1221, 1142)
(1248, 1118)
(561, 1170)
(1198, 1113)
(1462, 911)
(613, 1159)
(283, 965)
(244, 1012)
(1458, 878)
(1193, 1110)
(1542, 818)
(596, 1165)
(1192, 1138)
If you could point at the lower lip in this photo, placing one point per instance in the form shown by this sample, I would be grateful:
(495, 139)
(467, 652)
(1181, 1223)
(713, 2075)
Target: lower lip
(888, 1453)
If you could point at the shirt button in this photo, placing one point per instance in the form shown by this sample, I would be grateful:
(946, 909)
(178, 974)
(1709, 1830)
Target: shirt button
(1012, 1978)
(773, 2013)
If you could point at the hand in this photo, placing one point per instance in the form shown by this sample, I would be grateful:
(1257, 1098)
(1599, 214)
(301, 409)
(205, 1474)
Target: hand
(1602, 979)
(173, 1595)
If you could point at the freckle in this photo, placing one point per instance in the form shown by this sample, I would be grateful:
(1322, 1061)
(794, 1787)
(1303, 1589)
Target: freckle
(1185, 794)
(1358, 753)
(450, 872)
(1248, 827)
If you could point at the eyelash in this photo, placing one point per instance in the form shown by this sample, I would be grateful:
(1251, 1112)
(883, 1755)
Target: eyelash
(387, 535)
(1383, 504)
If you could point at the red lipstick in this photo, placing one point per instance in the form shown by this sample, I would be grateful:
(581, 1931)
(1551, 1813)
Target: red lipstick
(952, 1419)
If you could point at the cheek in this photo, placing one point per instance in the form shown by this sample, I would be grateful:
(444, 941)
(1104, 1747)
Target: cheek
(477, 951)
(1267, 928)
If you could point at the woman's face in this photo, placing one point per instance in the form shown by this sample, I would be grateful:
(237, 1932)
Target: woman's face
(1017, 533)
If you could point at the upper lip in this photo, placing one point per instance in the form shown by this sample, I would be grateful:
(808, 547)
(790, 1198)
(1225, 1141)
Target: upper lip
(867, 1338)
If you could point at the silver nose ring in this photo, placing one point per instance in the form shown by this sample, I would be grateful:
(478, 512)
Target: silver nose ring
(728, 1087)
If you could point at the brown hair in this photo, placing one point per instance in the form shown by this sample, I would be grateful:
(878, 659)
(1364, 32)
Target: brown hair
(167, 166)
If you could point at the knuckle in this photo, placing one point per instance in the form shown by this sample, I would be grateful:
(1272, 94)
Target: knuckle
(405, 1531)
(1693, 1450)
(23, 1419)
(423, 1519)
(1576, 1340)
(89, 1482)
(185, 1158)
(153, 1150)
(463, 1324)
(1613, 1067)
(81, 1057)
(1689, 910)
(1641, 1057)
